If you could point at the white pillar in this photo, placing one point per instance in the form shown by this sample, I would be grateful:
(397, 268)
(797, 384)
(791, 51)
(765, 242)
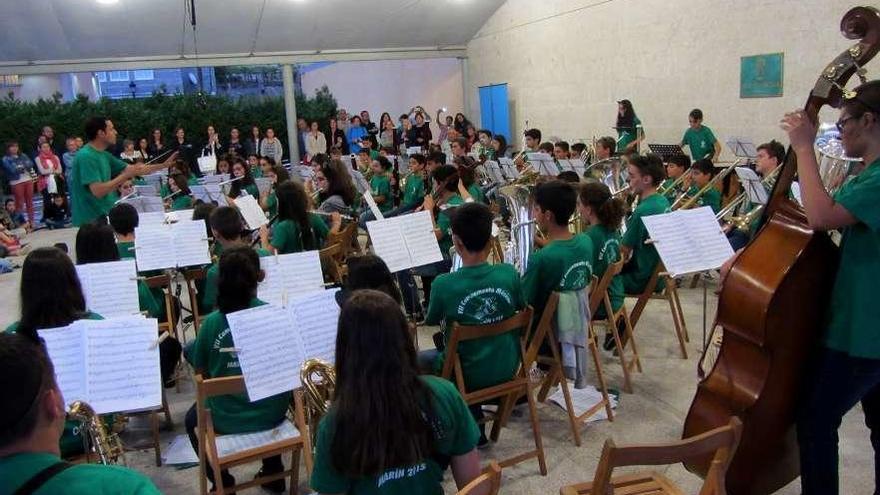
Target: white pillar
(290, 112)
(465, 89)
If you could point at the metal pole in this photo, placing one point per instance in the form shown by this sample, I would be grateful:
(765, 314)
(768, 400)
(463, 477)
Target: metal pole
(290, 112)
(465, 88)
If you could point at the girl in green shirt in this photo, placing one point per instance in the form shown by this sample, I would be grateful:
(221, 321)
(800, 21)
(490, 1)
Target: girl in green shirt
(365, 447)
(269, 200)
(629, 128)
(297, 229)
(244, 183)
(181, 196)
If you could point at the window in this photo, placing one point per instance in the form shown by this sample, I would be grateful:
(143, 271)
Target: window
(102, 76)
(119, 75)
(10, 81)
(143, 75)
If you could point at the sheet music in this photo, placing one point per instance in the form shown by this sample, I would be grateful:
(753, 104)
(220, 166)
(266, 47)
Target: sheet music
(494, 171)
(508, 167)
(153, 247)
(371, 202)
(752, 184)
(421, 242)
(293, 275)
(689, 241)
(565, 166)
(582, 400)
(123, 364)
(190, 244)
(251, 212)
(389, 244)
(179, 451)
(146, 190)
(578, 165)
(264, 184)
(110, 288)
(66, 349)
(316, 318)
(231, 444)
(269, 351)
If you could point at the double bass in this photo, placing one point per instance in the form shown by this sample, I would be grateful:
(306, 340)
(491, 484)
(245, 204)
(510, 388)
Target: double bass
(772, 309)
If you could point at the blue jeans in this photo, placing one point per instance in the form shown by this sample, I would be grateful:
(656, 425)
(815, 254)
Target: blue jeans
(836, 383)
(738, 239)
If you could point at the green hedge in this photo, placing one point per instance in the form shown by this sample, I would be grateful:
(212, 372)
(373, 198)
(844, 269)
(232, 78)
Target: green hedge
(136, 117)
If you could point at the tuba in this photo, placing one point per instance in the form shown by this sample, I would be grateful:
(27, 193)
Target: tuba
(834, 166)
(319, 381)
(106, 444)
(521, 240)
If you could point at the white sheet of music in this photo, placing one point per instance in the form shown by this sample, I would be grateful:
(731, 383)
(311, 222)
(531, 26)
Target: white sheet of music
(565, 166)
(388, 243)
(421, 242)
(582, 400)
(230, 444)
(578, 166)
(153, 247)
(292, 275)
(251, 212)
(689, 241)
(371, 202)
(179, 216)
(123, 371)
(269, 351)
(190, 243)
(316, 318)
(66, 348)
(151, 219)
(110, 289)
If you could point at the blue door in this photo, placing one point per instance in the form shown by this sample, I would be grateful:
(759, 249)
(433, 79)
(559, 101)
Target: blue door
(494, 110)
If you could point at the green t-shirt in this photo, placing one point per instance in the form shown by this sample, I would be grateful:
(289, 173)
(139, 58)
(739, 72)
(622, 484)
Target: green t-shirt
(626, 136)
(257, 172)
(126, 250)
(380, 185)
(455, 434)
(559, 266)
(271, 204)
(711, 198)
(70, 442)
(700, 141)
(147, 301)
(82, 479)
(209, 294)
(641, 265)
(232, 413)
(414, 192)
(181, 202)
(854, 315)
(670, 192)
(444, 223)
(287, 238)
(476, 193)
(606, 252)
(479, 295)
(91, 166)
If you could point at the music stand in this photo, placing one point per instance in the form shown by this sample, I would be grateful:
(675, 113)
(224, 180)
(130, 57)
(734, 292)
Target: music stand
(666, 150)
(742, 147)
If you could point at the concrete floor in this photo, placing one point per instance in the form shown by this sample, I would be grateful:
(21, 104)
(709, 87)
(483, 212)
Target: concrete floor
(655, 411)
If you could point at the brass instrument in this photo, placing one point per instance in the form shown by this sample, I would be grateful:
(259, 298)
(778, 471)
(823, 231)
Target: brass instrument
(106, 444)
(319, 382)
(834, 166)
(684, 201)
(741, 198)
(521, 240)
(609, 171)
(676, 183)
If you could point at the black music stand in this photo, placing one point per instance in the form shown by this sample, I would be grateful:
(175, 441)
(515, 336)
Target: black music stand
(666, 150)
(742, 148)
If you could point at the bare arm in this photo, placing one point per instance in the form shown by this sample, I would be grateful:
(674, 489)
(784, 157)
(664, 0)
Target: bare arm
(717, 151)
(101, 189)
(465, 468)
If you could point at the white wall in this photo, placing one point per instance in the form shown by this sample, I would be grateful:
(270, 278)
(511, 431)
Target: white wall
(394, 86)
(568, 61)
(34, 87)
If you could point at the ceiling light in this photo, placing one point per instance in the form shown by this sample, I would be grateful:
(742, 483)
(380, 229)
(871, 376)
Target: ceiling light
(107, 2)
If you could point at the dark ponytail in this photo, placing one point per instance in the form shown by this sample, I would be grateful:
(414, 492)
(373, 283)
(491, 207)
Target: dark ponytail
(239, 275)
(609, 210)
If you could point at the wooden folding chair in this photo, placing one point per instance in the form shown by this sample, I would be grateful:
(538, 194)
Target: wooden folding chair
(544, 333)
(208, 450)
(491, 474)
(347, 238)
(191, 276)
(506, 392)
(163, 282)
(599, 297)
(721, 443)
(153, 415)
(670, 294)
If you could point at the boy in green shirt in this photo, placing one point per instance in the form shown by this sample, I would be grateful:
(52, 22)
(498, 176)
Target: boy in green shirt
(645, 174)
(380, 184)
(676, 166)
(31, 422)
(703, 171)
(700, 139)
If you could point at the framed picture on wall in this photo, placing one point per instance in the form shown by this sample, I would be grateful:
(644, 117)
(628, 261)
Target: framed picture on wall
(761, 76)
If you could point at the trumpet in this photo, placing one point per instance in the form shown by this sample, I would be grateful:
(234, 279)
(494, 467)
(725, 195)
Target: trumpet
(684, 201)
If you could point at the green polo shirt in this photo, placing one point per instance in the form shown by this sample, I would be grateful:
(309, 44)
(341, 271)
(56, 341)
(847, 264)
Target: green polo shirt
(271, 204)
(126, 249)
(287, 237)
(380, 185)
(444, 223)
(476, 192)
(711, 198)
(626, 136)
(181, 202)
(91, 166)
(670, 192)
(606, 252)
(479, 295)
(644, 259)
(82, 479)
(559, 266)
(455, 434)
(854, 315)
(700, 141)
(209, 294)
(232, 413)
(414, 192)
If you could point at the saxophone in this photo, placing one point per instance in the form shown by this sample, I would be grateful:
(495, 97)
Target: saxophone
(106, 444)
(318, 381)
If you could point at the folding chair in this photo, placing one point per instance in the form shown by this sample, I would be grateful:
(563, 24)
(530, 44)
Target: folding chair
(163, 282)
(721, 443)
(491, 474)
(191, 277)
(670, 294)
(600, 297)
(225, 458)
(544, 333)
(506, 392)
(330, 263)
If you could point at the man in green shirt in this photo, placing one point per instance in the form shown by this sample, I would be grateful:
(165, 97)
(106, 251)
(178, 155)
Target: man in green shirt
(846, 369)
(645, 174)
(477, 294)
(97, 173)
(700, 139)
(31, 421)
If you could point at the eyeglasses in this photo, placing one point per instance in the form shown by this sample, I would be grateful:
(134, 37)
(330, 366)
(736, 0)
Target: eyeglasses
(842, 122)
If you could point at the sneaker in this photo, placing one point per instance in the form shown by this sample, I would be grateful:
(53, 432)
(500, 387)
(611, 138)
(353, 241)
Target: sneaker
(276, 486)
